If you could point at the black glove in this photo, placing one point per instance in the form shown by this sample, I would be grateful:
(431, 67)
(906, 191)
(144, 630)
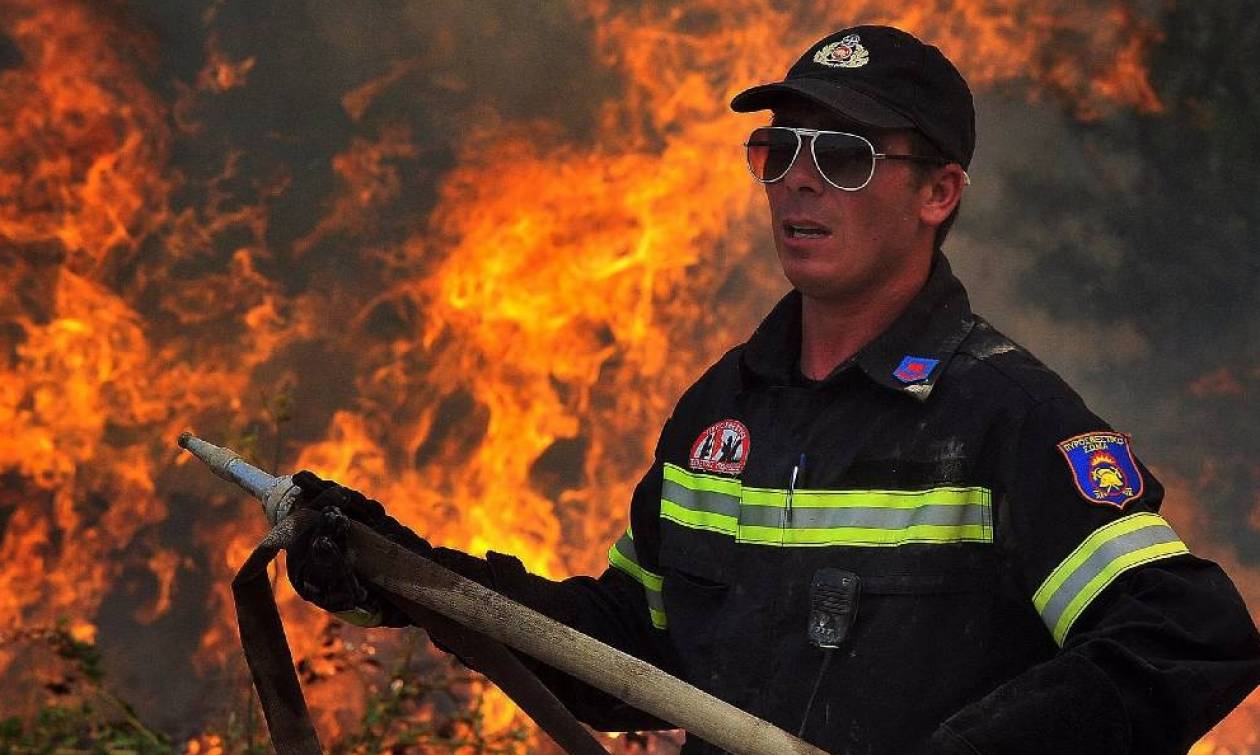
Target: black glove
(320, 565)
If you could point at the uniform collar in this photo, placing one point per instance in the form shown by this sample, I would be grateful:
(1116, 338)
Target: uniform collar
(908, 357)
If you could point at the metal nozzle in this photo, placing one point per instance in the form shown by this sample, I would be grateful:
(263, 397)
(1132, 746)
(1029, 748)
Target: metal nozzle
(276, 493)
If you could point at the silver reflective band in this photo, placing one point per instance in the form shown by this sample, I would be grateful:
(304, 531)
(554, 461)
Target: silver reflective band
(825, 517)
(1108, 552)
(873, 517)
(623, 556)
(717, 502)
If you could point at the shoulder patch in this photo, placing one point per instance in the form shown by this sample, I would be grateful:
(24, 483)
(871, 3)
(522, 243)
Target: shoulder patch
(722, 448)
(1103, 468)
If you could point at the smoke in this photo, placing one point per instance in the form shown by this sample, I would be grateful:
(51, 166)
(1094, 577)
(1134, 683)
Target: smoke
(1123, 252)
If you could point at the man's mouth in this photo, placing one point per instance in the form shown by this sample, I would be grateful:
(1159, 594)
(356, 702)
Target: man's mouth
(805, 231)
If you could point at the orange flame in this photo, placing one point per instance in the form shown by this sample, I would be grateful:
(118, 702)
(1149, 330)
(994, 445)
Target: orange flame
(514, 353)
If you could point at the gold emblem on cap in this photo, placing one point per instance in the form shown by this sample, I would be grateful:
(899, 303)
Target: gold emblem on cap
(847, 53)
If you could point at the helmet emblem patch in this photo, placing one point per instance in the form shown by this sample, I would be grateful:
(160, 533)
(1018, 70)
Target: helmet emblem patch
(847, 53)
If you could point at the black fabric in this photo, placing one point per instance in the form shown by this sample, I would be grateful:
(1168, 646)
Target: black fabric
(943, 632)
(271, 663)
(932, 326)
(1087, 714)
(320, 566)
(266, 647)
(321, 569)
(948, 653)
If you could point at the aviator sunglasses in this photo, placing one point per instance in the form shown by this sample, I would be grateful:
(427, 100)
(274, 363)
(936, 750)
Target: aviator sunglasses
(846, 161)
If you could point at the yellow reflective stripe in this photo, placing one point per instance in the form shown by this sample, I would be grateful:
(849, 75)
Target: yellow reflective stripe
(1107, 553)
(1100, 582)
(638, 573)
(866, 536)
(658, 618)
(702, 482)
(940, 496)
(723, 505)
(887, 499)
(1087, 548)
(699, 520)
(623, 556)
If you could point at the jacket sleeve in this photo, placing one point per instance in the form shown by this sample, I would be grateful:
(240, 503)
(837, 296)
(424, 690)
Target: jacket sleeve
(621, 608)
(1156, 645)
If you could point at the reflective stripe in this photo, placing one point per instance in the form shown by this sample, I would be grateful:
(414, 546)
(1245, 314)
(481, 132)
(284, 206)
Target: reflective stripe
(1108, 552)
(623, 556)
(867, 517)
(862, 537)
(701, 502)
(826, 517)
(882, 499)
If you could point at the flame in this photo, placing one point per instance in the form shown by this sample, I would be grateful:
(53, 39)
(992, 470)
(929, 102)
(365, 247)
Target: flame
(83, 184)
(494, 370)
(1102, 457)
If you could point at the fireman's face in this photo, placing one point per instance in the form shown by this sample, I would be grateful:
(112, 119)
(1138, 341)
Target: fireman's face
(834, 243)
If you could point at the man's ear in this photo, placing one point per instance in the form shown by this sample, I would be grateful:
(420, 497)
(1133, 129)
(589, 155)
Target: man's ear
(942, 193)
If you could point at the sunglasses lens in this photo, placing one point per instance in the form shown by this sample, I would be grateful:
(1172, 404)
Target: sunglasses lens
(846, 160)
(770, 152)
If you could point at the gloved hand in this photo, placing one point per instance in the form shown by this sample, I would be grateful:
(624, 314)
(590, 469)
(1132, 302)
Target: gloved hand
(320, 565)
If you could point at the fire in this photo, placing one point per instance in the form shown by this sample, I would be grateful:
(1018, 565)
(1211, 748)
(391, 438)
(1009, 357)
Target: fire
(83, 153)
(83, 185)
(493, 367)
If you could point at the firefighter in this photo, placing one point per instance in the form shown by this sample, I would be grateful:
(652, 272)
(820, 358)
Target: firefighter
(879, 522)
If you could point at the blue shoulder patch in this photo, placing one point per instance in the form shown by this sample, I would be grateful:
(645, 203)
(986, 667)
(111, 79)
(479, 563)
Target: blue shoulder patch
(1103, 468)
(914, 369)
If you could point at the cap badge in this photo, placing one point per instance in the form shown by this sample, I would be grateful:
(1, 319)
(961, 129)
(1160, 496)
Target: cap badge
(722, 448)
(847, 53)
(914, 369)
(1103, 468)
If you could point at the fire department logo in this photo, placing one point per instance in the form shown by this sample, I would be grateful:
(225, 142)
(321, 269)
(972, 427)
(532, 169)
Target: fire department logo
(722, 448)
(1103, 468)
(847, 53)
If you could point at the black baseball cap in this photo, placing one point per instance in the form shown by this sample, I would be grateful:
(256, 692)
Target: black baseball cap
(880, 77)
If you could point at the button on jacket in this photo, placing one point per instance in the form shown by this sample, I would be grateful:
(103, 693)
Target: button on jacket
(1019, 591)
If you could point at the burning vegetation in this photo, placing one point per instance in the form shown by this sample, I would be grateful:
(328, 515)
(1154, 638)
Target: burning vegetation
(465, 258)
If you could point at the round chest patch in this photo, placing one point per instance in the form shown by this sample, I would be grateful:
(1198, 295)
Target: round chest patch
(722, 448)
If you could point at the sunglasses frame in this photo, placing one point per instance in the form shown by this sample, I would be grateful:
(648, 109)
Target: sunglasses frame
(813, 134)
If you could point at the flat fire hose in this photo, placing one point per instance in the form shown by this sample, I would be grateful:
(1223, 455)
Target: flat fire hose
(472, 621)
(271, 662)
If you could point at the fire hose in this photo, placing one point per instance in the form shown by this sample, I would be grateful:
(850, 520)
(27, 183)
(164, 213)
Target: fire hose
(472, 621)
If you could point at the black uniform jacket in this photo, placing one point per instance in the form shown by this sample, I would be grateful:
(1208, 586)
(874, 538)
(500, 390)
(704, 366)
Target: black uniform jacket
(1019, 591)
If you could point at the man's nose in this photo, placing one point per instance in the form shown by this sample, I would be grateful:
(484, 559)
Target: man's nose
(804, 175)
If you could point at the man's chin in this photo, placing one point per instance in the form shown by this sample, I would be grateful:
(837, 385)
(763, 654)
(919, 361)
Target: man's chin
(815, 280)
(820, 289)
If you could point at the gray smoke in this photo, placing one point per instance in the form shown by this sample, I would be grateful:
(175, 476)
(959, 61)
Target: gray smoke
(1124, 252)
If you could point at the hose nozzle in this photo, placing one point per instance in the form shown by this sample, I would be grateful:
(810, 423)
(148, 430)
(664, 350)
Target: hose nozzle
(277, 494)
